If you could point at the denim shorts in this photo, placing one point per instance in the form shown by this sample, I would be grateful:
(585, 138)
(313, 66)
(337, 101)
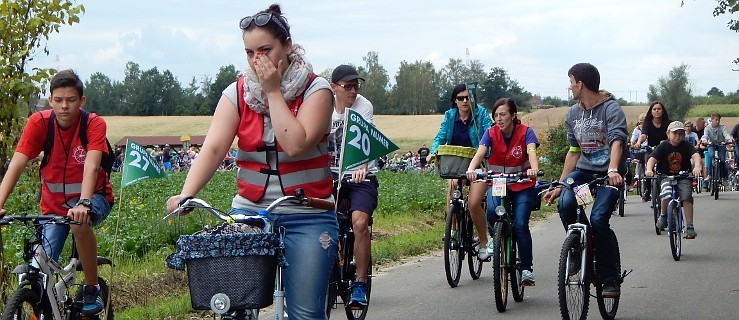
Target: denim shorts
(56, 234)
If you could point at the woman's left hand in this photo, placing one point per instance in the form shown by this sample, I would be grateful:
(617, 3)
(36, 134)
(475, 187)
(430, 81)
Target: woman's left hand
(268, 74)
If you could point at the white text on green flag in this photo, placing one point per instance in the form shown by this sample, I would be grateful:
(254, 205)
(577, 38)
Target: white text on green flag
(362, 142)
(138, 165)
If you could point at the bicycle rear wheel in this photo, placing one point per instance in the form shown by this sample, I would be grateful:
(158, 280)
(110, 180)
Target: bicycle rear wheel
(500, 266)
(453, 253)
(609, 306)
(675, 231)
(573, 287)
(474, 264)
(23, 304)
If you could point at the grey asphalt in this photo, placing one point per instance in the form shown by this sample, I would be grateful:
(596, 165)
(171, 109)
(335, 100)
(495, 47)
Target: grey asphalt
(704, 284)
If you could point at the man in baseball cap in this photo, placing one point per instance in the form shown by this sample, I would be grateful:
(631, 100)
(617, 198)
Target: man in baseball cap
(362, 192)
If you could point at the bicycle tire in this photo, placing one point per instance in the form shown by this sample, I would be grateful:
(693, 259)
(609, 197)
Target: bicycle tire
(622, 200)
(453, 252)
(609, 306)
(23, 304)
(332, 293)
(360, 312)
(574, 298)
(517, 287)
(656, 205)
(474, 264)
(675, 231)
(716, 180)
(500, 272)
(107, 313)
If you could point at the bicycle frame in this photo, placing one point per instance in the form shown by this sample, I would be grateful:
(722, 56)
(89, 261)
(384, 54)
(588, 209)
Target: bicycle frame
(42, 273)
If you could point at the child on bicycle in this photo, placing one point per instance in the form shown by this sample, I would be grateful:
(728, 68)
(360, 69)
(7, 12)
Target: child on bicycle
(72, 183)
(507, 141)
(671, 157)
(714, 134)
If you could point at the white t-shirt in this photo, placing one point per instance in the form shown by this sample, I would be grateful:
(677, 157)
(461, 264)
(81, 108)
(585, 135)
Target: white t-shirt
(336, 138)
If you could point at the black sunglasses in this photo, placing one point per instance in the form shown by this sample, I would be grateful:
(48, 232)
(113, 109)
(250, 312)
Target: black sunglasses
(462, 98)
(348, 87)
(261, 19)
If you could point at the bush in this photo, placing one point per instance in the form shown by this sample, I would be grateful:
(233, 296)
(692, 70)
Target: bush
(555, 150)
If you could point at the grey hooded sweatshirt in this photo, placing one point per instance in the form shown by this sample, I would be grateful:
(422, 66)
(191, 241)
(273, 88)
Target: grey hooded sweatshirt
(594, 130)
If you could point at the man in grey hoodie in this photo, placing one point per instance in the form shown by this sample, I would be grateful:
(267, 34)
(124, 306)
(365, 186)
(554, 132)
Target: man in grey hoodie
(596, 132)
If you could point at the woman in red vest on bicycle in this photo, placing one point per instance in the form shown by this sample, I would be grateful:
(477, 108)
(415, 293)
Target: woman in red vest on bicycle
(512, 149)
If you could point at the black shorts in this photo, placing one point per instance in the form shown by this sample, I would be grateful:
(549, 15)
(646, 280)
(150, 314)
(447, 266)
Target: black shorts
(362, 196)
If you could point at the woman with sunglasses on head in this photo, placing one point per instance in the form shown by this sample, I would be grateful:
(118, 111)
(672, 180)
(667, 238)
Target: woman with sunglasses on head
(280, 111)
(654, 131)
(464, 126)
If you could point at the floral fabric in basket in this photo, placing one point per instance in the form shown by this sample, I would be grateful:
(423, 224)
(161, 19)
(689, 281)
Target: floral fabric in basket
(212, 245)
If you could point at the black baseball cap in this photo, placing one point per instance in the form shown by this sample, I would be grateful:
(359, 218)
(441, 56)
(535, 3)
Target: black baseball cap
(346, 73)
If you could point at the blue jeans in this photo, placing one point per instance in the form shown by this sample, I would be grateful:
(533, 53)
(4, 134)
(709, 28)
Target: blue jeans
(605, 239)
(724, 168)
(522, 202)
(55, 235)
(310, 249)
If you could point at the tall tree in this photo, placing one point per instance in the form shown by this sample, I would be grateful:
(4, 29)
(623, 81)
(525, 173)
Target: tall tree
(674, 92)
(715, 92)
(99, 94)
(499, 85)
(26, 26)
(375, 87)
(416, 88)
(226, 76)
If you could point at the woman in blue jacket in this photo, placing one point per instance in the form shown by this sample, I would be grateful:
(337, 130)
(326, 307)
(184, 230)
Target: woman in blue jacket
(465, 126)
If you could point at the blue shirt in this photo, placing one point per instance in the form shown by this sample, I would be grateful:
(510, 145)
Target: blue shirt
(461, 133)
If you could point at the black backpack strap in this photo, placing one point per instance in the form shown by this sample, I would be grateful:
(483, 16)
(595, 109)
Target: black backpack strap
(84, 117)
(49, 143)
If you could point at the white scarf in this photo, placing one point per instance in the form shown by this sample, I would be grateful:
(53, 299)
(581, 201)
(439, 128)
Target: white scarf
(292, 84)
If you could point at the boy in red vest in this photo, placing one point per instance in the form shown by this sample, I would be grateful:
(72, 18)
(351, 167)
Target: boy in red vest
(73, 183)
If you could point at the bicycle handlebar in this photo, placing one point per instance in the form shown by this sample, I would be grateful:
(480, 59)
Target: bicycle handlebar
(194, 203)
(569, 185)
(40, 219)
(519, 176)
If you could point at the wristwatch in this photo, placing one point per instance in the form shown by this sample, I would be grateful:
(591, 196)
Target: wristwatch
(84, 202)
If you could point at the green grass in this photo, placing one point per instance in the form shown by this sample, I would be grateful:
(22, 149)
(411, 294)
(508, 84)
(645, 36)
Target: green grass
(705, 110)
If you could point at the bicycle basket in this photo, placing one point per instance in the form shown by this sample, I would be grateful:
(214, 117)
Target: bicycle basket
(242, 266)
(453, 161)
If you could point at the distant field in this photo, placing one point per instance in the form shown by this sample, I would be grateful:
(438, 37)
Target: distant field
(409, 132)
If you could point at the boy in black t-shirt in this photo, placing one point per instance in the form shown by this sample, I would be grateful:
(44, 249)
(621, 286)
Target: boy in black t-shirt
(671, 157)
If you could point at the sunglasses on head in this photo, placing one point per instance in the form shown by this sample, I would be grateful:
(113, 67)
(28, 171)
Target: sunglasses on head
(348, 87)
(261, 19)
(462, 98)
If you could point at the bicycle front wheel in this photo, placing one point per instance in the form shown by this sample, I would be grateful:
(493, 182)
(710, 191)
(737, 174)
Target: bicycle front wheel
(107, 313)
(24, 304)
(572, 285)
(715, 180)
(453, 246)
(656, 204)
(622, 200)
(517, 286)
(474, 264)
(360, 312)
(675, 231)
(500, 264)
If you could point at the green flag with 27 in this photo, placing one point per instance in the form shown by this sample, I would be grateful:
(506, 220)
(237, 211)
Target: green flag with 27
(139, 165)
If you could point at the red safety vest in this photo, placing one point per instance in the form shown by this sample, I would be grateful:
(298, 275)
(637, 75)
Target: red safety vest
(61, 183)
(308, 171)
(511, 158)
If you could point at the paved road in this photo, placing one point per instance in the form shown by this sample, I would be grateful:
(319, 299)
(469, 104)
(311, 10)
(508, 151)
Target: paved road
(704, 284)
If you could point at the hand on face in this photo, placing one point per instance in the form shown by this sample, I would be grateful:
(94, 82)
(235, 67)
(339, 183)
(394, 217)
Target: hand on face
(267, 73)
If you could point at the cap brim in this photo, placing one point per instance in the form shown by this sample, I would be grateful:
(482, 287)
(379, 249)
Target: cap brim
(677, 129)
(350, 78)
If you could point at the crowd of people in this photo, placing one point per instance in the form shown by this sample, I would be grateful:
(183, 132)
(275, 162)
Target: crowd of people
(289, 123)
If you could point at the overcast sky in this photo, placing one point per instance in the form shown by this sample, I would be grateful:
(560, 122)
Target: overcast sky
(632, 42)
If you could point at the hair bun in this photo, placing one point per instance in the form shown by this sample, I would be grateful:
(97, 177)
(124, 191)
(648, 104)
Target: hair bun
(275, 8)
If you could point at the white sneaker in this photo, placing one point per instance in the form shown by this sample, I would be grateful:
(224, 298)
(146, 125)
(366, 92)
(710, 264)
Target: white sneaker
(527, 277)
